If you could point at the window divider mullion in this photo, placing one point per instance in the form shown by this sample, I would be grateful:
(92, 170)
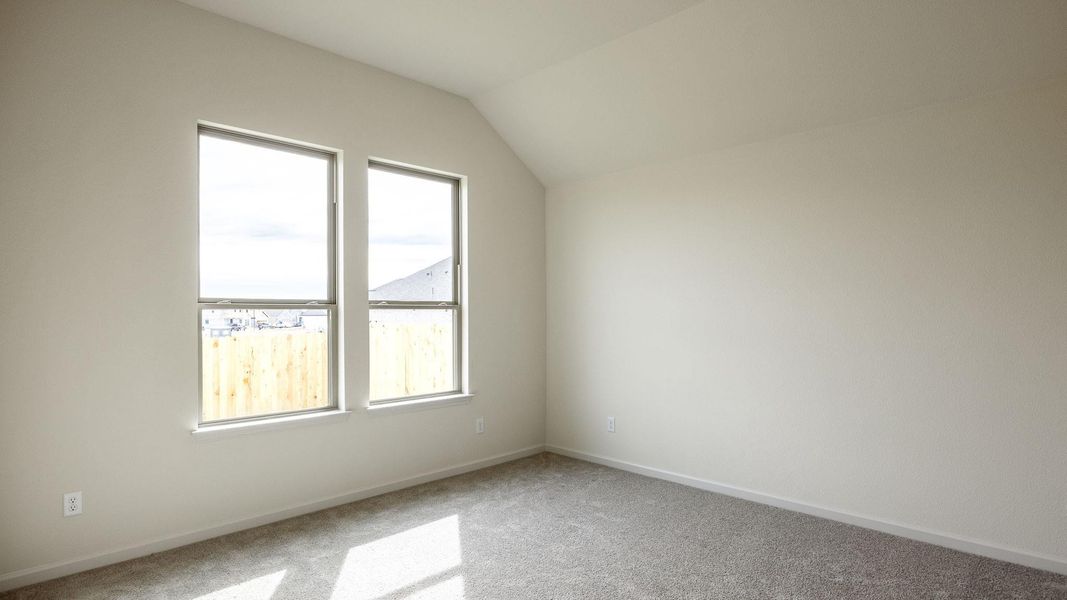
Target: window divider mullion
(398, 306)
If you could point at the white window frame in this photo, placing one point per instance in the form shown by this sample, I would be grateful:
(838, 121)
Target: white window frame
(459, 293)
(329, 303)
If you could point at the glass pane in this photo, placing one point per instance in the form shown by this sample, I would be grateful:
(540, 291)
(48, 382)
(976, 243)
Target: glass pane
(259, 362)
(263, 222)
(412, 352)
(410, 237)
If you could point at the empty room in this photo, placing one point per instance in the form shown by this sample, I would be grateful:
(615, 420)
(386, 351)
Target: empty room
(533, 299)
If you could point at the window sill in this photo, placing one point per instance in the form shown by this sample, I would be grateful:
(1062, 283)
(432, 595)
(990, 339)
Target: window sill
(286, 422)
(420, 404)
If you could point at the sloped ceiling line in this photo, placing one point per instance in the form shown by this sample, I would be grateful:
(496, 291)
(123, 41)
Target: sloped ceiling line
(584, 87)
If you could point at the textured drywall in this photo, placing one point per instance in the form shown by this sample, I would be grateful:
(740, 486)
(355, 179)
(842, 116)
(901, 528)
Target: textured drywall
(99, 105)
(870, 318)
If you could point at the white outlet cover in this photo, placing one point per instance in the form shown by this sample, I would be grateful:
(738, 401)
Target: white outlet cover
(611, 424)
(479, 425)
(72, 504)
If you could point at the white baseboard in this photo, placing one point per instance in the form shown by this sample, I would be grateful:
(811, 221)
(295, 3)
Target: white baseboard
(1036, 560)
(17, 579)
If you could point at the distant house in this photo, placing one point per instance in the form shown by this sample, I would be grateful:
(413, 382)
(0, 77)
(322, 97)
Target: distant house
(433, 283)
(221, 323)
(315, 320)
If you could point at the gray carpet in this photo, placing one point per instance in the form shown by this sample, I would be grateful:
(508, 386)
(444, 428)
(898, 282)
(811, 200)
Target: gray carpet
(552, 527)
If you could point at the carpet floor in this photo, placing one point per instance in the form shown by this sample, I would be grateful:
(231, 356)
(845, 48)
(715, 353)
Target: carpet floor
(549, 527)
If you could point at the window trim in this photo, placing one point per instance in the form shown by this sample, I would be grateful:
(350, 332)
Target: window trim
(329, 303)
(459, 294)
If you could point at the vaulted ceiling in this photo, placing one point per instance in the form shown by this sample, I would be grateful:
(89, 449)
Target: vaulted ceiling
(584, 87)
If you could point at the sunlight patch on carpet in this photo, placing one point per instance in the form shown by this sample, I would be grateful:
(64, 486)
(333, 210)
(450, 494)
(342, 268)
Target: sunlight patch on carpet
(402, 561)
(260, 588)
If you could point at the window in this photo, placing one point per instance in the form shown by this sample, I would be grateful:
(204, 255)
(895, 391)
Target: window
(415, 288)
(267, 305)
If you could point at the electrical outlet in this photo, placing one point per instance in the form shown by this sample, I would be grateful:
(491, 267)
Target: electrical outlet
(611, 424)
(72, 504)
(479, 425)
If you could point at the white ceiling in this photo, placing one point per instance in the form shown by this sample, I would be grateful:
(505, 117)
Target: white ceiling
(463, 46)
(583, 87)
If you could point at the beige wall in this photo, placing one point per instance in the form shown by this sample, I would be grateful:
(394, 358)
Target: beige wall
(870, 318)
(98, 373)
